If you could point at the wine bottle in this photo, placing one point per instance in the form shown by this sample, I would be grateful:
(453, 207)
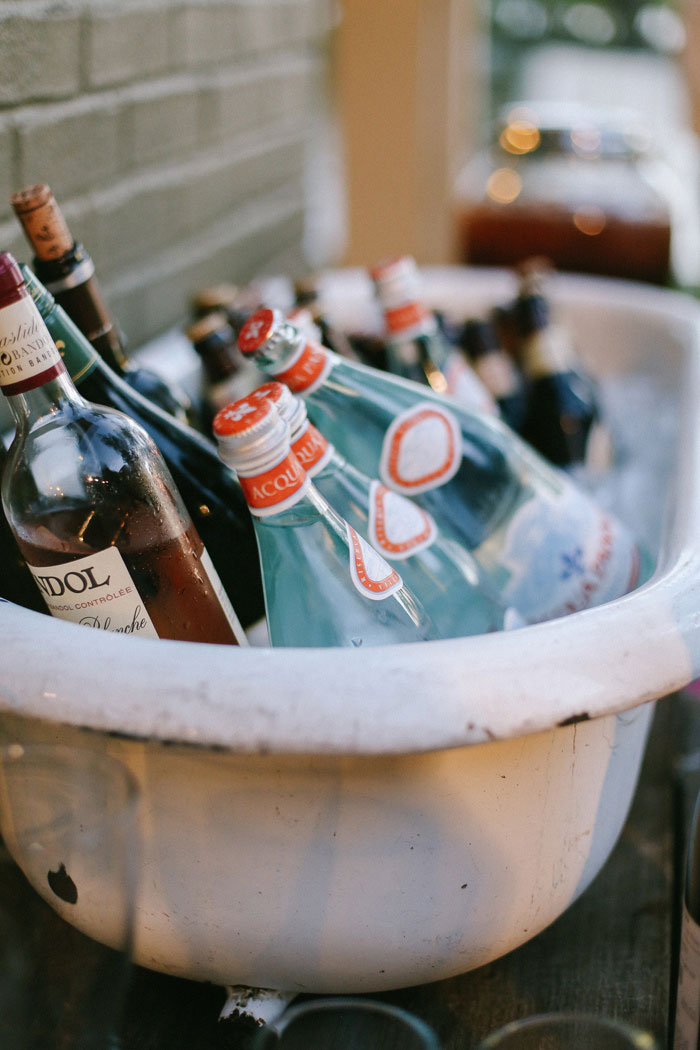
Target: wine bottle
(324, 583)
(210, 492)
(227, 375)
(307, 296)
(16, 581)
(91, 502)
(416, 345)
(545, 544)
(68, 272)
(237, 303)
(436, 567)
(562, 414)
(495, 368)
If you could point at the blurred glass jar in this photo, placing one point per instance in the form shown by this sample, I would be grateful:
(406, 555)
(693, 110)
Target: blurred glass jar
(577, 185)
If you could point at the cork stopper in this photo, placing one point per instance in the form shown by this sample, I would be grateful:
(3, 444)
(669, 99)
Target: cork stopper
(42, 221)
(207, 326)
(215, 298)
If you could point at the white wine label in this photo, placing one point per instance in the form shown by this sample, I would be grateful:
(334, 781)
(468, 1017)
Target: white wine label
(566, 554)
(28, 354)
(422, 449)
(224, 601)
(96, 591)
(687, 1023)
(372, 576)
(397, 526)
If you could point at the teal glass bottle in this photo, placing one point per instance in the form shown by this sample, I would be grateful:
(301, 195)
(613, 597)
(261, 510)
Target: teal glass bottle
(438, 568)
(544, 543)
(324, 584)
(416, 345)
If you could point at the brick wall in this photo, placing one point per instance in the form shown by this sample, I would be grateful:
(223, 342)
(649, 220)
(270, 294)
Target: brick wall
(175, 135)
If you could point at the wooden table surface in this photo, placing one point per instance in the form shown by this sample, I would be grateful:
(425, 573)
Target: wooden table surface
(612, 953)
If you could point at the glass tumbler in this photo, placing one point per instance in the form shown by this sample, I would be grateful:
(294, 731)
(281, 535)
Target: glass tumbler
(568, 1031)
(346, 1023)
(68, 817)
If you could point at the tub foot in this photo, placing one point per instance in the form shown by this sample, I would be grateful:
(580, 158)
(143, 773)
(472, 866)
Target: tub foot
(259, 1005)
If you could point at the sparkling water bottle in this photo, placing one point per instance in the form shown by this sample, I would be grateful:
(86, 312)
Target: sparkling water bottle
(438, 568)
(546, 545)
(417, 348)
(324, 583)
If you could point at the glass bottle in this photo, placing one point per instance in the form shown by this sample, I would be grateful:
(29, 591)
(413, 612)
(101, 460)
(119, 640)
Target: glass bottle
(417, 348)
(324, 583)
(562, 419)
(436, 567)
(495, 368)
(68, 272)
(307, 296)
(545, 544)
(226, 375)
(237, 303)
(91, 502)
(16, 581)
(210, 492)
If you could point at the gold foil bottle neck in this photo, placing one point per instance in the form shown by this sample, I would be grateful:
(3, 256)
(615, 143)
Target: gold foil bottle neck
(43, 222)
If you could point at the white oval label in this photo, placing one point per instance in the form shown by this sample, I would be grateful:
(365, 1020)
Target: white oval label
(422, 449)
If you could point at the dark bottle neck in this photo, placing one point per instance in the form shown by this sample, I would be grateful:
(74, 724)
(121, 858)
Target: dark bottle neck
(72, 282)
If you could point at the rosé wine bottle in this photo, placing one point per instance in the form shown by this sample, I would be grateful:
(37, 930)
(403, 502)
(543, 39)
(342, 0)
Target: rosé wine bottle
(91, 503)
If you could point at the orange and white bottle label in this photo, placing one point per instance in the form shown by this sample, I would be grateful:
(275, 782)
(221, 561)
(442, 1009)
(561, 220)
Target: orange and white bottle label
(308, 368)
(275, 489)
(422, 449)
(312, 449)
(409, 319)
(397, 526)
(370, 573)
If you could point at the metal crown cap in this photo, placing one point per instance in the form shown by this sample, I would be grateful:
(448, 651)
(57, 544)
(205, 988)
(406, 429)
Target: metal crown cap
(290, 407)
(249, 432)
(259, 330)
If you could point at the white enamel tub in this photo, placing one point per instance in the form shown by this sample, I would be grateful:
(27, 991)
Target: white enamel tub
(332, 820)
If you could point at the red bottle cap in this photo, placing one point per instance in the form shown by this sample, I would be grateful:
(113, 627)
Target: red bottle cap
(273, 391)
(256, 330)
(242, 417)
(11, 280)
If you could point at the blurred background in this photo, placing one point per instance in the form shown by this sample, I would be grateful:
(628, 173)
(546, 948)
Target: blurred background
(217, 140)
